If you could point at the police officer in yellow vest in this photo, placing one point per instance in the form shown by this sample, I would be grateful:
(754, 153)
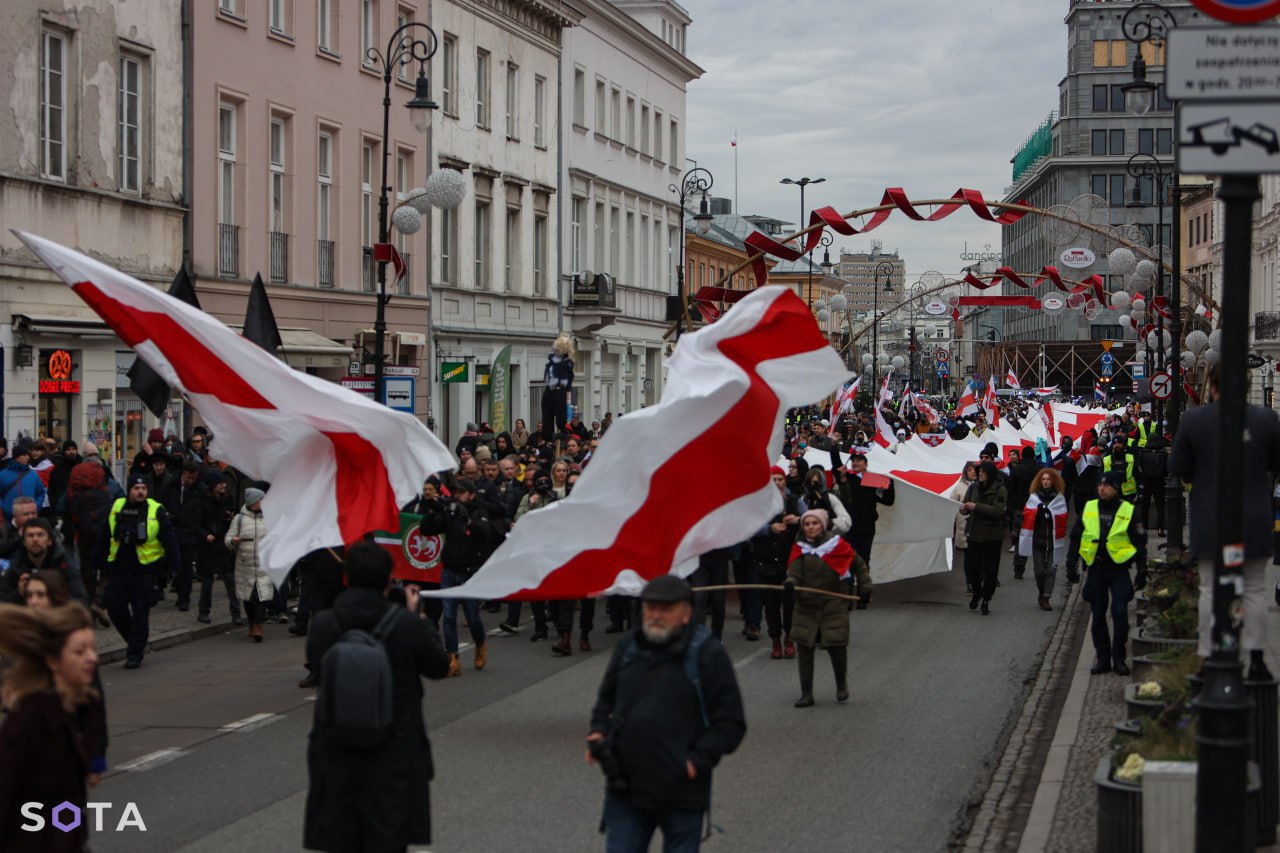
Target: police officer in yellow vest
(136, 542)
(1111, 541)
(1122, 462)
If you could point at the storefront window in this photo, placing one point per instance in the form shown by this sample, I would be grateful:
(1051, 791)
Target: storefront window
(58, 390)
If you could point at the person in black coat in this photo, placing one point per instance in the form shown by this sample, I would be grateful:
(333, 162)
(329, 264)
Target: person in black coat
(1023, 466)
(184, 499)
(663, 733)
(374, 799)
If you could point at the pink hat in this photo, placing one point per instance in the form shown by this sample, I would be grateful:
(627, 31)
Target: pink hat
(820, 514)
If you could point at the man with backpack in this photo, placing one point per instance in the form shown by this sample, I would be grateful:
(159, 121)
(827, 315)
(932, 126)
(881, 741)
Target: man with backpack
(368, 758)
(667, 711)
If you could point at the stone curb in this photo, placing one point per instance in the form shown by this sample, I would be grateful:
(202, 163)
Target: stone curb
(999, 813)
(168, 639)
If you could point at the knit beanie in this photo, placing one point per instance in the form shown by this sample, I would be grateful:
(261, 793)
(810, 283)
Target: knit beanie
(820, 514)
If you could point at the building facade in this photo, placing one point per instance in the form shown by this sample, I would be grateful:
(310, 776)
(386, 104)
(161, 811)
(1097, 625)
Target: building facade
(91, 156)
(622, 127)
(1082, 150)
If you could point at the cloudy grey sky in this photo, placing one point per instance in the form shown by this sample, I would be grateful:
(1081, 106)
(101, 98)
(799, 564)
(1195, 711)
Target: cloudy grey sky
(929, 95)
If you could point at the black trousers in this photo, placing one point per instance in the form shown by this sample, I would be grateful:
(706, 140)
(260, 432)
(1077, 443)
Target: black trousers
(1073, 547)
(1152, 489)
(129, 599)
(187, 552)
(778, 608)
(562, 612)
(986, 564)
(555, 407)
(713, 570)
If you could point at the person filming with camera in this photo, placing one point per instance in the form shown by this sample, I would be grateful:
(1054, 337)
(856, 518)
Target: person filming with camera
(667, 711)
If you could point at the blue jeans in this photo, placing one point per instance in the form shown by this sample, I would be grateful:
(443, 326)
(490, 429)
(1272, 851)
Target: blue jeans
(1109, 589)
(470, 608)
(628, 829)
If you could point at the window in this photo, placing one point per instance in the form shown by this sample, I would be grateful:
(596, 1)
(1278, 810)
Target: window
(577, 212)
(276, 158)
(615, 103)
(657, 135)
(1151, 55)
(1100, 99)
(448, 245)
(1117, 141)
(631, 122)
(1110, 54)
(324, 209)
(226, 163)
(629, 271)
(1098, 185)
(129, 112)
(540, 112)
(1164, 141)
(482, 89)
(598, 224)
(512, 250)
(671, 258)
(615, 238)
(53, 106)
(539, 255)
(1162, 101)
(368, 152)
(368, 31)
(579, 97)
(403, 16)
(601, 126)
(482, 244)
(1098, 143)
(513, 101)
(646, 249)
(1145, 141)
(229, 7)
(1115, 192)
(1117, 98)
(644, 128)
(278, 16)
(449, 75)
(673, 149)
(326, 25)
(404, 173)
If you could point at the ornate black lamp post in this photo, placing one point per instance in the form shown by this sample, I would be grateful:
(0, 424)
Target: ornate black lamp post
(696, 181)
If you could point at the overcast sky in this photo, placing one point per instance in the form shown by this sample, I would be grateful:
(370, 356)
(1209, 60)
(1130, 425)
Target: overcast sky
(929, 95)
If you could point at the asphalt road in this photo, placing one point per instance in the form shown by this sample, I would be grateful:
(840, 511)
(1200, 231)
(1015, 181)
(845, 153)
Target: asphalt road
(208, 739)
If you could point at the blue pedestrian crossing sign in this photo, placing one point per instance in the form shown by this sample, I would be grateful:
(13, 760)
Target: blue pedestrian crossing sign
(1108, 364)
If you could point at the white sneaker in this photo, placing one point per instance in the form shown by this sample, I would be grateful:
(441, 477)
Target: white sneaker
(1010, 549)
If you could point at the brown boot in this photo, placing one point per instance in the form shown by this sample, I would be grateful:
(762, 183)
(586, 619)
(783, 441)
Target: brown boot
(255, 631)
(455, 666)
(563, 646)
(481, 660)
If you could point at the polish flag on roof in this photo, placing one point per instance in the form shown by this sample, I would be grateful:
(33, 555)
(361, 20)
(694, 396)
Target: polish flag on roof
(339, 464)
(643, 507)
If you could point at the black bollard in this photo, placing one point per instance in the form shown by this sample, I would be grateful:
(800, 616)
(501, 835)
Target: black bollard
(1265, 752)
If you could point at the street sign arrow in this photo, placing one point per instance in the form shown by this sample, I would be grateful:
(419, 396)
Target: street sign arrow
(1161, 385)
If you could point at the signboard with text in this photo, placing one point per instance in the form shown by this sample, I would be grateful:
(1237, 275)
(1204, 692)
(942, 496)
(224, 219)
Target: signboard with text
(454, 371)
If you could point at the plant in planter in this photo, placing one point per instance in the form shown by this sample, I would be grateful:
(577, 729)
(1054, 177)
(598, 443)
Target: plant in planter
(1179, 621)
(1170, 735)
(1149, 666)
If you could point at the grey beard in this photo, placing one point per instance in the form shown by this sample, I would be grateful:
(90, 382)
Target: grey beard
(659, 637)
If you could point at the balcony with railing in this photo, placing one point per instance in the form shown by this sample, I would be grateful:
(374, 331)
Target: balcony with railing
(228, 250)
(279, 242)
(324, 263)
(1266, 326)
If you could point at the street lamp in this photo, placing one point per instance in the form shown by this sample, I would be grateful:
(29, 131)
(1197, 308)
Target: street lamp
(1144, 167)
(802, 183)
(403, 49)
(696, 181)
(885, 268)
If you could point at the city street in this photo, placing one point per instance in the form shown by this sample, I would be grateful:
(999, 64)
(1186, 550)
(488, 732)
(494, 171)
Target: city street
(208, 738)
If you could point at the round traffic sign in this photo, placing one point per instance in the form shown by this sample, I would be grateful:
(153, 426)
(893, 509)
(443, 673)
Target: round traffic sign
(1161, 385)
(1239, 11)
(942, 356)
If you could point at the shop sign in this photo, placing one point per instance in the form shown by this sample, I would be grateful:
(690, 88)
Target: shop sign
(59, 386)
(454, 371)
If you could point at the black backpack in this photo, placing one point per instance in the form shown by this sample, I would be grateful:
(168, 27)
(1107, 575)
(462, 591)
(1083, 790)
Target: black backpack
(354, 702)
(1153, 463)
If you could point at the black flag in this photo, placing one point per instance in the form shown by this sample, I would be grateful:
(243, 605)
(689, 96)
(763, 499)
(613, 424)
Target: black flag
(145, 382)
(259, 321)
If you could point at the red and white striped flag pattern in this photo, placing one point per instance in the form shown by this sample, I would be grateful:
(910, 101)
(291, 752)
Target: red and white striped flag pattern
(1046, 392)
(633, 515)
(1046, 418)
(989, 404)
(884, 433)
(922, 405)
(844, 400)
(339, 464)
(1011, 380)
(968, 403)
(886, 393)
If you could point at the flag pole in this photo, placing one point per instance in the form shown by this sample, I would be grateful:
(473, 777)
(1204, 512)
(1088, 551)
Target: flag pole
(736, 209)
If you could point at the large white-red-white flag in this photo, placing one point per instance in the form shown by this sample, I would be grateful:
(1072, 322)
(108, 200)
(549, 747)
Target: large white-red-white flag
(641, 509)
(1011, 380)
(1046, 418)
(923, 407)
(884, 433)
(968, 403)
(339, 464)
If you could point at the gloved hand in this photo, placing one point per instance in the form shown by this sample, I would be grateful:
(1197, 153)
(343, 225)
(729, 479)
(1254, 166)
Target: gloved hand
(864, 598)
(789, 591)
(1140, 580)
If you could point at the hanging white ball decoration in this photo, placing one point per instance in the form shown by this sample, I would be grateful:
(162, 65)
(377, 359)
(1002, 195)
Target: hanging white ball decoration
(1188, 359)
(406, 220)
(1144, 271)
(1215, 341)
(824, 315)
(1140, 356)
(1122, 261)
(1212, 357)
(446, 188)
(1138, 311)
(1197, 341)
(819, 305)
(899, 362)
(1126, 322)
(838, 303)
(866, 368)
(882, 359)
(1120, 300)
(418, 199)
(866, 359)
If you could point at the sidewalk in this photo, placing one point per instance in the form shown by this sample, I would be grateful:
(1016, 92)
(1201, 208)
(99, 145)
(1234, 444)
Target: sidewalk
(1061, 817)
(169, 626)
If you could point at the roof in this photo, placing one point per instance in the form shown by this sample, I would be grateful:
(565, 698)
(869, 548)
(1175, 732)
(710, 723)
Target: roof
(732, 229)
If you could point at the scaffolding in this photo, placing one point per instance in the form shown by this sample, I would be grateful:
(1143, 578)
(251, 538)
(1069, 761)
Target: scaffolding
(1074, 366)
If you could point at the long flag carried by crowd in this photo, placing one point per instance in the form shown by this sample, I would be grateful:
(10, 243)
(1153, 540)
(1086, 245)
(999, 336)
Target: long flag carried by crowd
(643, 507)
(340, 465)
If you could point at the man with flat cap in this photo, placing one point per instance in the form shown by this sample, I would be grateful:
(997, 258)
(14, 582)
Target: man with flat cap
(668, 710)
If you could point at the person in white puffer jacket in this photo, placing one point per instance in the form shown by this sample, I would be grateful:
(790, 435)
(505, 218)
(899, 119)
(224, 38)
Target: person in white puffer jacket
(253, 584)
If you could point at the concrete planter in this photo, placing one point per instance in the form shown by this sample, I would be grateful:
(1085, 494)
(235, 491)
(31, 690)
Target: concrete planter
(1143, 643)
(1128, 728)
(1146, 667)
(1136, 707)
(1119, 826)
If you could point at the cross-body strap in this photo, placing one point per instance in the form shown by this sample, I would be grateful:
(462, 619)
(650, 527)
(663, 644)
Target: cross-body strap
(384, 624)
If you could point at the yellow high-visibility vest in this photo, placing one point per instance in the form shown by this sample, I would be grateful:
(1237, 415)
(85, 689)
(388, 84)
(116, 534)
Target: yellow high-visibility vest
(149, 551)
(1130, 487)
(1119, 546)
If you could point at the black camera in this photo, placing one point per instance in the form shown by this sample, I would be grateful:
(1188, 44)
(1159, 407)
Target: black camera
(602, 751)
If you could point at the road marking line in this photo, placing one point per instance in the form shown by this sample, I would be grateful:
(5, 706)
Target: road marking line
(256, 721)
(749, 658)
(152, 759)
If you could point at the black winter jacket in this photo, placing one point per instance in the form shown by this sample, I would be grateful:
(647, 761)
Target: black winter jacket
(661, 725)
(468, 533)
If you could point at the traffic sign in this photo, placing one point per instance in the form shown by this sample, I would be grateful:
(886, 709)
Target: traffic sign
(1223, 63)
(942, 356)
(1229, 138)
(1108, 364)
(1239, 11)
(1161, 385)
(1138, 370)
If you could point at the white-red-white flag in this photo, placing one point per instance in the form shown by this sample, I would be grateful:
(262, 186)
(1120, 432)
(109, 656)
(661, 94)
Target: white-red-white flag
(968, 403)
(922, 406)
(1046, 418)
(636, 514)
(844, 400)
(1047, 391)
(1011, 380)
(886, 393)
(339, 464)
(990, 404)
(884, 432)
